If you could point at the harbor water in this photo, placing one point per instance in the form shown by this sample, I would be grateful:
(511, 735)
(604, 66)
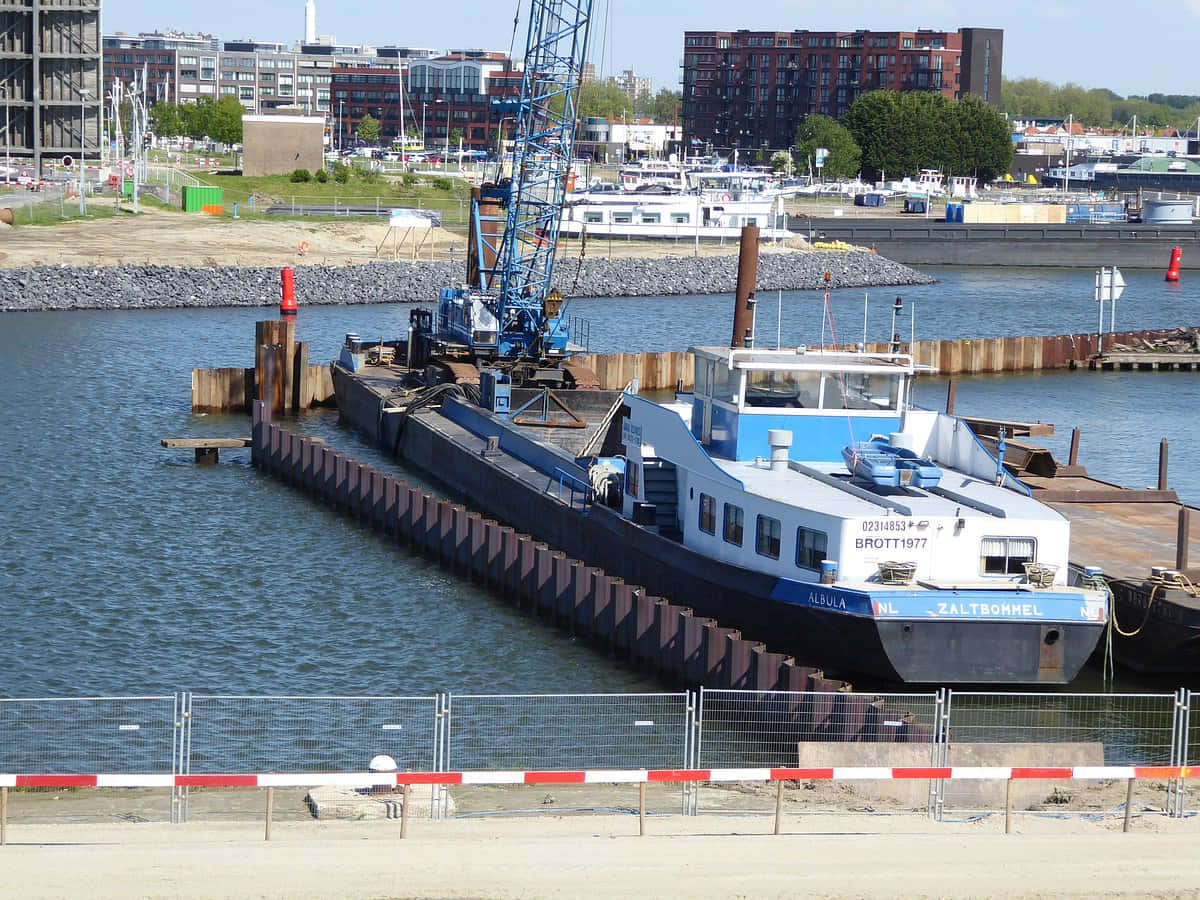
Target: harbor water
(127, 569)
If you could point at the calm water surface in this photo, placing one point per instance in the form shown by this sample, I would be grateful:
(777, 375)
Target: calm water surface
(125, 569)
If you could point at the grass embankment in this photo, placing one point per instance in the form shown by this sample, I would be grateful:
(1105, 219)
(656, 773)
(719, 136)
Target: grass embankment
(254, 194)
(58, 210)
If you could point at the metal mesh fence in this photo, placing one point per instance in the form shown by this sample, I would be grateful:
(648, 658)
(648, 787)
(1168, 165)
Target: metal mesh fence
(752, 728)
(1132, 729)
(309, 734)
(112, 735)
(568, 732)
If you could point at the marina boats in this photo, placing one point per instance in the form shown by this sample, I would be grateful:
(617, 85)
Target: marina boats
(683, 216)
(1128, 173)
(749, 501)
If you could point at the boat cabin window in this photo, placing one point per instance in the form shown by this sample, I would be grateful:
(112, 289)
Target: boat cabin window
(703, 380)
(795, 389)
(862, 390)
(1006, 555)
(651, 218)
(766, 537)
(680, 218)
(733, 524)
(708, 514)
(811, 547)
(633, 472)
(725, 383)
(593, 218)
(622, 218)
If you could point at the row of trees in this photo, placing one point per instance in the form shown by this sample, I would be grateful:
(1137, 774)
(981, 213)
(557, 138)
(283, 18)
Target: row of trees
(902, 133)
(1031, 98)
(220, 120)
(606, 99)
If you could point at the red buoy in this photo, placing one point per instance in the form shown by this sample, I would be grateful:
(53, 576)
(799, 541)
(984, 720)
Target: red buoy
(1173, 268)
(287, 302)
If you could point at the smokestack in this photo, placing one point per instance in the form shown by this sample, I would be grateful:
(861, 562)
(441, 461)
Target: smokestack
(310, 22)
(743, 309)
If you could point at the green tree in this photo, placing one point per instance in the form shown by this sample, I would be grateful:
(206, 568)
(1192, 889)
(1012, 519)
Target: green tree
(985, 147)
(225, 120)
(368, 129)
(782, 163)
(604, 99)
(871, 121)
(844, 154)
(167, 121)
(666, 106)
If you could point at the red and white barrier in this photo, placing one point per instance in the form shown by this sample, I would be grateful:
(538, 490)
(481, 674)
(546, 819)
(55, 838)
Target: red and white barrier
(604, 776)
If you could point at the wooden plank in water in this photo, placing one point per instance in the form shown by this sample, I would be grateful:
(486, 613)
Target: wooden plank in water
(205, 443)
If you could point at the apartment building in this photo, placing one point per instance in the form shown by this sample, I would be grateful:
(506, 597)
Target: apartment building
(753, 88)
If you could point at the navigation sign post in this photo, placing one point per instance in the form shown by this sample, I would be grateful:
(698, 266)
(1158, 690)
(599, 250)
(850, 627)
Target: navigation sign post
(1109, 286)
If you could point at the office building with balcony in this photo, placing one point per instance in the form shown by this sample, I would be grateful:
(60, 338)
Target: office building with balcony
(752, 89)
(448, 94)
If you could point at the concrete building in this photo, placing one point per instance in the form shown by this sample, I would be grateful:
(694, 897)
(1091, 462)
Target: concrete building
(50, 79)
(615, 142)
(632, 84)
(753, 88)
(444, 95)
(282, 142)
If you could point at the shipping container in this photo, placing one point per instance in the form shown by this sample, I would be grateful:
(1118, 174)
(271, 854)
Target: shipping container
(198, 196)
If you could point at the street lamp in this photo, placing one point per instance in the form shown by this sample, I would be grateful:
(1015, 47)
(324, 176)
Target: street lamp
(341, 125)
(83, 95)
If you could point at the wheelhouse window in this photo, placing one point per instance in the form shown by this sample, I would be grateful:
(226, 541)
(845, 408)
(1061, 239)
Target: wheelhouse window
(708, 514)
(766, 537)
(732, 531)
(770, 388)
(811, 547)
(862, 390)
(633, 473)
(1006, 555)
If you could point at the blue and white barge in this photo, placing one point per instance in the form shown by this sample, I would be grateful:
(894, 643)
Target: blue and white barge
(883, 538)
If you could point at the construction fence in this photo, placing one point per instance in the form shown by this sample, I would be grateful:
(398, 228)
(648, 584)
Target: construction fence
(198, 735)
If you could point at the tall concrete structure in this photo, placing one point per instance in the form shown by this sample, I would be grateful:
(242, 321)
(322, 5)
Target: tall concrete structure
(310, 22)
(50, 79)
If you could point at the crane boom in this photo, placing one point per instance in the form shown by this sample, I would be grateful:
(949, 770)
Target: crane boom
(512, 312)
(542, 152)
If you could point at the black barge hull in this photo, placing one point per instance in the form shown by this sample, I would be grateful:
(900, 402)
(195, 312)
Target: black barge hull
(902, 651)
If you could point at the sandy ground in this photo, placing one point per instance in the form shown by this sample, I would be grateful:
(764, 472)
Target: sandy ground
(168, 238)
(602, 856)
(575, 841)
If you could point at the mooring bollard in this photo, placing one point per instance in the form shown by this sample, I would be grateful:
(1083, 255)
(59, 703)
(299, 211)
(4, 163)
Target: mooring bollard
(404, 812)
(270, 810)
(1008, 807)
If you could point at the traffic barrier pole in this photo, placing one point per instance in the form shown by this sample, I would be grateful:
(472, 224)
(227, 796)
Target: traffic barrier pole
(270, 809)
(1008, 807)
(1128, 805)
(642, 809)
(778, 804)
(404, 812)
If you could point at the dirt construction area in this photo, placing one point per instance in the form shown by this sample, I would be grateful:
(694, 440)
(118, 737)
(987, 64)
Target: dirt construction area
(844, 855)
(163, 238)
(836, 840)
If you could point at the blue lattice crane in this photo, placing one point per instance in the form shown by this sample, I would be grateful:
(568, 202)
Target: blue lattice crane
(512, 313)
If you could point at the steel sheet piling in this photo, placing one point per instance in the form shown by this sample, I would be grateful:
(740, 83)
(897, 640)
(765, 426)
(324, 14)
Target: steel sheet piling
(624, 600)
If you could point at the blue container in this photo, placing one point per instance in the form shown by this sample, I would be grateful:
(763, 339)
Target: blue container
(960, 210)
(916, 206)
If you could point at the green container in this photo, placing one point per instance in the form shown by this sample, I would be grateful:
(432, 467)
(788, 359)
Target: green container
(198, 196)
(127, 187)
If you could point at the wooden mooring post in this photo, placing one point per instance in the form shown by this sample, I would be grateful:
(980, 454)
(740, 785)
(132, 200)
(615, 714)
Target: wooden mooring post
(1182, 536)
(207, 449)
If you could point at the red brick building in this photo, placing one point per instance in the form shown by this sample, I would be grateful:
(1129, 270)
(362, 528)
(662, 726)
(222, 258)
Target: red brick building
(753, 88)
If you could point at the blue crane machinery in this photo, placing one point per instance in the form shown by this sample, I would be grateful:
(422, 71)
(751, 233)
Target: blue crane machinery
(510, 311)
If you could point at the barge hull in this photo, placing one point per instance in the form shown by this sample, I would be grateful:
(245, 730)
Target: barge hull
(901, 651)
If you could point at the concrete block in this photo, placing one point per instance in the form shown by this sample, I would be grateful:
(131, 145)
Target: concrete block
(364, 803)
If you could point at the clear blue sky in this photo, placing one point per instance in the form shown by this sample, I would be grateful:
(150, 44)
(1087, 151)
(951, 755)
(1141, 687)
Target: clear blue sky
(1128, 47)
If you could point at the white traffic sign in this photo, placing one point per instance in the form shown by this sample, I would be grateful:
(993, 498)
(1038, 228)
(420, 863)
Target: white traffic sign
(129, 170)
(1112, 285)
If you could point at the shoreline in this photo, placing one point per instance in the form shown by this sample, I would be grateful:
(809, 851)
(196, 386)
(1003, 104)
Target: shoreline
(66, 287)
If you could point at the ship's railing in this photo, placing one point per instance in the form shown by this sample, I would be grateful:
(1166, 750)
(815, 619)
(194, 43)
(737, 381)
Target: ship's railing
(575, 488)
(196, 735)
